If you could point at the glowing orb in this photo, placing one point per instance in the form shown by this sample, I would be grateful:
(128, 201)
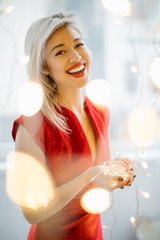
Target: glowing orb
(30, 98)
(134, 69)
(144, 194)
(118, 7)
(133, 221)
(98, 91)
(144, 164)
(29, 183)
(8, 9)
(155, 71)
(143, 125)
(96, 200)
(24, 60)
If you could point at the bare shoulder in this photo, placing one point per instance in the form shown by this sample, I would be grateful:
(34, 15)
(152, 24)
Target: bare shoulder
(101, 107)
(26, 144)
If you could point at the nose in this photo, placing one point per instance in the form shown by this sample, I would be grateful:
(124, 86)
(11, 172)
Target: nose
(74, 56)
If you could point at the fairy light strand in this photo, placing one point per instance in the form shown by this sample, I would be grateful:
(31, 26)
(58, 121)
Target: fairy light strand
(13, 64)
(154, 38)
(120, 166)
(137, 212)
(110, 229)
(135, 54)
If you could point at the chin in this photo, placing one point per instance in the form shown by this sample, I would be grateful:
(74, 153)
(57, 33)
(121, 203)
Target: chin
(83, 83)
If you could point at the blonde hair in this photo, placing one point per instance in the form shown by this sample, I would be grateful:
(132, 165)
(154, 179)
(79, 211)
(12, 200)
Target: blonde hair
(36, 38)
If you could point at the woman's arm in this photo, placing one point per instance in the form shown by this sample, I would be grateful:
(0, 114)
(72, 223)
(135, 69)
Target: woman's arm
(66, 192)
(63, 194)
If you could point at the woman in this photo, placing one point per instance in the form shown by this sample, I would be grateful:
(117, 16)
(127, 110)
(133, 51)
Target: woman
(68, 134)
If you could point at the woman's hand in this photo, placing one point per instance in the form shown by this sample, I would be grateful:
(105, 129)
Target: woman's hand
(128, 168)
(117, 173)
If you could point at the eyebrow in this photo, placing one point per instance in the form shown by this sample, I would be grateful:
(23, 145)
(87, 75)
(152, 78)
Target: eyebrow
(62, 44)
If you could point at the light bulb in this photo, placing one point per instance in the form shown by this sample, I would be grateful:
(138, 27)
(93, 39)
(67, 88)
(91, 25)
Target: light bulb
(133, 221)
(30, 98)
(144, 194)
(23, 187)
(134, 69)
(118, 7)
(144, 125)
(24, 60)
(98, 91)
(144, 164)
(8, 9)
(96, 200)
(154, 72)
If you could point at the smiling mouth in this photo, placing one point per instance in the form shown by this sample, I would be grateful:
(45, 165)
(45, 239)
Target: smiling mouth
(77, 70)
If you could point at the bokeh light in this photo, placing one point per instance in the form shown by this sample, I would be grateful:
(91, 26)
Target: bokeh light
(24, 59)
(154, 71)
(134, 69)
(144, 125)
(144, 194)
(96, 200)
(98, 91)
(30, 98)
(118, 7)
(133, 221)
(29, 182)
(144, 164)
(8, 9)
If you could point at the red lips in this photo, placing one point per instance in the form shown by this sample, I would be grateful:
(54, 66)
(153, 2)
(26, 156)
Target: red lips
(75, 66)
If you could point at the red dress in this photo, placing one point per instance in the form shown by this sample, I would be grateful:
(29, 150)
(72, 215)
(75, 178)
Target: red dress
(67, 157)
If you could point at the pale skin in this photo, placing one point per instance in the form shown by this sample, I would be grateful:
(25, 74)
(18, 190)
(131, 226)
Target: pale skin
(58, 60)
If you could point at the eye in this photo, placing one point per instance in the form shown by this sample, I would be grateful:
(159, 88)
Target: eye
(60, 53)
(80, 45)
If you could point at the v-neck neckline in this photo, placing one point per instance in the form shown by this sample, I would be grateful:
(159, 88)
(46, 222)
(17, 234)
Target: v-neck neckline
(86, 109)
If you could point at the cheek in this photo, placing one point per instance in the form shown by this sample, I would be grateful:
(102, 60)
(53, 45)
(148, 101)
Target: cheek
(88, 56)
(54, 68)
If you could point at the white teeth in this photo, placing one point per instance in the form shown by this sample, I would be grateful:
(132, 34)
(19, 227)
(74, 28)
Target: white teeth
(76, 69)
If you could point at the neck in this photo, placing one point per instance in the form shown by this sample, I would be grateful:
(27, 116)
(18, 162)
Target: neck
(73, 100)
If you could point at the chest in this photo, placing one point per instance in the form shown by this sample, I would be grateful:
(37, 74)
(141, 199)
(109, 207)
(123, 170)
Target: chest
(90, 134)
(70, 155)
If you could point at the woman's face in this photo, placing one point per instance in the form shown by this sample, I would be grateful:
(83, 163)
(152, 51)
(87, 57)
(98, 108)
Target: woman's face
(67, 59)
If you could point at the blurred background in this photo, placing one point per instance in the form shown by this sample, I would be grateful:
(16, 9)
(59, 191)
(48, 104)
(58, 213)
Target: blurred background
(123, 48)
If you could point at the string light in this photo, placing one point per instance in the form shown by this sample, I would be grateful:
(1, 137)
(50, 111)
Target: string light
(23, 60)
(29, 194)
(134, 69)
(144, 164)
(118, 7)
(154, 71)
(144, 194)
(98, 91)
(22, 186)
(154, 38)
(118, 21)
(6, 10)
(30, 98)
(96, 200)
(143, 125)
(133, 221)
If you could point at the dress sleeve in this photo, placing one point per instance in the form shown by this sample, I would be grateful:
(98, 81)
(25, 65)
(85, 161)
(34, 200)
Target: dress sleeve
(35, 126)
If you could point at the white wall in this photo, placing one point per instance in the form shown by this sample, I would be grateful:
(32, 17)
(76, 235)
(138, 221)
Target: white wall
(110, 56)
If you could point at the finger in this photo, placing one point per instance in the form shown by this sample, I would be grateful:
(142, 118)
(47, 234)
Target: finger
(120, 179)
(128, 183)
